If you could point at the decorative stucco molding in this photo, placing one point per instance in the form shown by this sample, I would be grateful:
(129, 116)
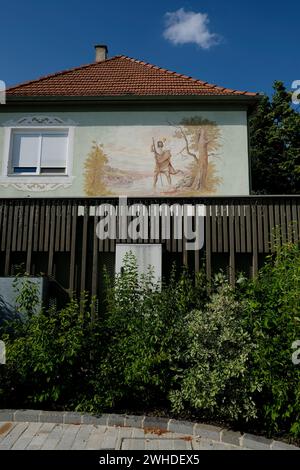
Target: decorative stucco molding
(35, 187)
(39, 120)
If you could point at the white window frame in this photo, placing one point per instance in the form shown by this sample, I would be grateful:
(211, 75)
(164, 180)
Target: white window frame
(8, 175)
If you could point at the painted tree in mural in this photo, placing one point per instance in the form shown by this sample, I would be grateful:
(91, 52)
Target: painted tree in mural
(201, 140)
(94, 171)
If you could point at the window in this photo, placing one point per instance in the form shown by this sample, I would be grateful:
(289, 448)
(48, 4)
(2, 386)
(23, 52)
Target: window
(35, 152)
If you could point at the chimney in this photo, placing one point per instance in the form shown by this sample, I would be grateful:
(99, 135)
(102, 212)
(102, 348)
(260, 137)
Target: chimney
(101, 52)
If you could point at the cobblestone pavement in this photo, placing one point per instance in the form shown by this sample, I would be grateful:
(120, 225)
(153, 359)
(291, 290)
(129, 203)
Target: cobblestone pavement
(39, 436)
(38, 430)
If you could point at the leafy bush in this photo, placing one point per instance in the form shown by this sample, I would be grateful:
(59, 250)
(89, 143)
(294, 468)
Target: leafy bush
(273, 313)
(142, 336)
(46, 356)
(216, 378)
(226, 356)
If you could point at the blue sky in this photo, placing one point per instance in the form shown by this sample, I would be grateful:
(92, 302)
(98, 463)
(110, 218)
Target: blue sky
(238, 44)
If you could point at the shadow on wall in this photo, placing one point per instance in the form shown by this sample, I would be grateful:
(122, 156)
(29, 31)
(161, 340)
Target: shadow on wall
(7, 312)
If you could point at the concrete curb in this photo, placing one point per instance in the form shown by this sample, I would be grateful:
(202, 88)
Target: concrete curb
(197, 430)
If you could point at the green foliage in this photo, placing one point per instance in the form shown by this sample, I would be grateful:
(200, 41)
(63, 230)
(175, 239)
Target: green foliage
(275, 145)
(46, 356)
(273, 311)
(223, 356)
(216, 376)
(27, 298)
(142, 334)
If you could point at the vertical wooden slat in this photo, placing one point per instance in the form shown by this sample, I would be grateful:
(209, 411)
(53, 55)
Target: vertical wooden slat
(8, 239)
(231, 245)
(47, 225)
(4, 226)
(271, 226)
(36, 227)
(237, 232)
(74, 214)
(25, 230)
(289, 222)
(259, 229)
(21, 227)
(184, 252)
(30, 244)
(254, 241)
(213, 229)
(277, 215)
(63, 227)
(41, 228)
(179, 221)
(57, 227)
(51, 239)
(243, 229)
(106, 241)
(248, 229)
(112, 241)
(283, 222)
(294, 221)
(15, 227)
(95, 264)
(208, 242)
(84, 248)
(220, 229)
(68, 226)
(225, 228)
(266, 229)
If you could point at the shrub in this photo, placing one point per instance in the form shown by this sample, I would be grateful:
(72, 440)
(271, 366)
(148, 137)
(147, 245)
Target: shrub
(47, 355)
(142, 335)
(215, 381)
(273, 313)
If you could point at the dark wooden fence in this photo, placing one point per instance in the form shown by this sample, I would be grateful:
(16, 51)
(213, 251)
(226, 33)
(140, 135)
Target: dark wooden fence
(58, 236)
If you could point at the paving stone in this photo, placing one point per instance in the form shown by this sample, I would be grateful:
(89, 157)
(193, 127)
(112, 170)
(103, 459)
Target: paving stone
(208, 432)
(110, 439)
(277, 445)
(151, 422)
(72, 418)
(116, 420)
(27, 416)
(181, 444)
(182, 427)
(133, 444)
(7, 415)
(82, 437)
(13, 436)
(51, 417)
(53, 437)
(134, 421)
(138, 433)
(5, 428)
(95, 419)
(68, 437)
(231, 437)
(206, 444)
(41, 436)
(96, 438)
(255, 442)
(27, 436)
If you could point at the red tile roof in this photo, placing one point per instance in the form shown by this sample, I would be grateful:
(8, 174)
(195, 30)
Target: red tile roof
(119, 76)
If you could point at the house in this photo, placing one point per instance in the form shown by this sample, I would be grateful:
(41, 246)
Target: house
(121, 127)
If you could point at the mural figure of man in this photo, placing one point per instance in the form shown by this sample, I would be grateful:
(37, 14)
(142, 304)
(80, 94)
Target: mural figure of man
(163, 165)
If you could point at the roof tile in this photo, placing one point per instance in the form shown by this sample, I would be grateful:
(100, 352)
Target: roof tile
(117, 76)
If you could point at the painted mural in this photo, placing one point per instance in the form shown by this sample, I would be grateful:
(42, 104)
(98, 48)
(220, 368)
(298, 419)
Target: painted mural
(171, 160)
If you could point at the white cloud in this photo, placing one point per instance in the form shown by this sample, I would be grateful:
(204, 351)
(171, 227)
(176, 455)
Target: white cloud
(184, 27)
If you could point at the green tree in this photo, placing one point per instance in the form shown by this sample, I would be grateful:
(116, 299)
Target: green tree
(275, 144)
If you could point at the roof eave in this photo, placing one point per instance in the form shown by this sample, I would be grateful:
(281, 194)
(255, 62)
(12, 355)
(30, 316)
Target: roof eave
(248, 100)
